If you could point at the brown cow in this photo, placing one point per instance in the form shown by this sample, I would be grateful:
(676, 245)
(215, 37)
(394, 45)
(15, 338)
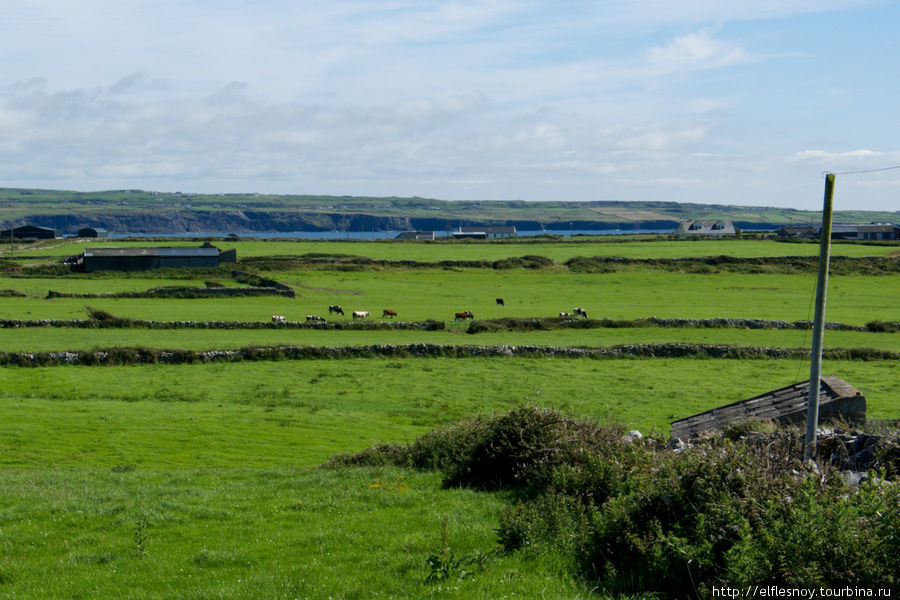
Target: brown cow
(388, 313)
(462, 316)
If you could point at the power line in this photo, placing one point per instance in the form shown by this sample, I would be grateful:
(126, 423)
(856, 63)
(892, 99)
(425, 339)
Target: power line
(824, 173)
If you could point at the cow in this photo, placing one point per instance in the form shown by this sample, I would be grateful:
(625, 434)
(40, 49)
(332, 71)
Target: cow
(579, 312)
(462, 316)
(314, 319)
(564, 315)
(500, 302)
(279, 319)
(388, 313)
(360, 314)
(334, 308)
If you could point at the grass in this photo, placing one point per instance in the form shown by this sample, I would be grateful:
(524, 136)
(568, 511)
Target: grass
(262, 415)
(198, 481)
(256, 534)
(437, 294)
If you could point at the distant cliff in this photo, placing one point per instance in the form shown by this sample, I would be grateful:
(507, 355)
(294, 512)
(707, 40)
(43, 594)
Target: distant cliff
(225, 221)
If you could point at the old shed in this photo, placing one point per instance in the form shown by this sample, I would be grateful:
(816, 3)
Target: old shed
(837, 400)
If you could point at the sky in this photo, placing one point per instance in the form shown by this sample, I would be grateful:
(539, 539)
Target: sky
(744, 102)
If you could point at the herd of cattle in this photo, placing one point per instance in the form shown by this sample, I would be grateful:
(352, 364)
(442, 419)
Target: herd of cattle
(390, 314)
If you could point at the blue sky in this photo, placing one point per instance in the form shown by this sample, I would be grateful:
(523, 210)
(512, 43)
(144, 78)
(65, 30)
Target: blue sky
(738, 102)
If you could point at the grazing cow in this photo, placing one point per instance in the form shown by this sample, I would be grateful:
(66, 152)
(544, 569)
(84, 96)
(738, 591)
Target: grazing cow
(580, 312)
(564, 315)
(334, 308)
(360, 314)
(279, 319)
(314, 319)
(462, 316)
(388, 313)
(500, 302)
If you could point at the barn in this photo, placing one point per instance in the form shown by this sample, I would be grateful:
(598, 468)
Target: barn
(141, 259)
(30, 232)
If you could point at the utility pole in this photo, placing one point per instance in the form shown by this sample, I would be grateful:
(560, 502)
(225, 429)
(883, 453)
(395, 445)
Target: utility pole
(815, 368)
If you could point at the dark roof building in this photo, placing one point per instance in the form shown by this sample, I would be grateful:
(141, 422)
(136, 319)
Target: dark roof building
(839, 231)
(872, 231)
(30, 232)
(415, 235)
(93, 232)
(141, 259)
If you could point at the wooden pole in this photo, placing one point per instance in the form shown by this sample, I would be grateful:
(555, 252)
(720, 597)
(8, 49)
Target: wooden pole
(815, 367)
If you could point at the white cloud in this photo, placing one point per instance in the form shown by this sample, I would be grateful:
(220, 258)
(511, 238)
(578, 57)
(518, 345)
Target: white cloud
(695, 51)
(852, 154)
(660, 139)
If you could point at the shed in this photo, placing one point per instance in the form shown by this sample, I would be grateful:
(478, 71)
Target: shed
(141, 259)
(837, 400)
(93, 232)
(30, 232)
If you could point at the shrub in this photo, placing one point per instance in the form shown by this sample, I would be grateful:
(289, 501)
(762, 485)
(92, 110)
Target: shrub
(639, 518)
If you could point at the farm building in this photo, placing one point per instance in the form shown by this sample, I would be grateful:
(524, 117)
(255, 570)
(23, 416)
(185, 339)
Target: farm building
(141, 259)
(415, 235)
(481, 232)
(705, 228)
(798, 232)
(93, 232)
(30, 232)
(872, 231)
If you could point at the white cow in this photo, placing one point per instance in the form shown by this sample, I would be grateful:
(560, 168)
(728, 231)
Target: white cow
(360, 314)
(279, 319)
(564, 315)
(580, 312)
(314, 319)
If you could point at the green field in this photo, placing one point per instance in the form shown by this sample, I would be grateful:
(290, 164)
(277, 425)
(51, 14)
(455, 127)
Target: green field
(200, 480)
(423, 294)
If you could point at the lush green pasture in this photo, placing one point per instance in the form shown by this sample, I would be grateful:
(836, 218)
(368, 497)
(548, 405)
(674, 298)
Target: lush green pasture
(263, 534)
(46, 339)
(191, 481)
(197, 481)
(438, 294)
(558, 250)
(297, 413)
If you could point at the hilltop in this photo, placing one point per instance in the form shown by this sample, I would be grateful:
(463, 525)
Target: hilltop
(174, 212)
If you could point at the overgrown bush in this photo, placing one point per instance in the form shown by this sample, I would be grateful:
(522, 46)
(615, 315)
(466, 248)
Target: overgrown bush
(638, 517)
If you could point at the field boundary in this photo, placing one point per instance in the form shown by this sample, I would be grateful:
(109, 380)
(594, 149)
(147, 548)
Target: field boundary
(135, 356)
(475, 327)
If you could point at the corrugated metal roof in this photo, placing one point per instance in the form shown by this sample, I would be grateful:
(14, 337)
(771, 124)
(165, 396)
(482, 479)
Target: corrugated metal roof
(167, 252)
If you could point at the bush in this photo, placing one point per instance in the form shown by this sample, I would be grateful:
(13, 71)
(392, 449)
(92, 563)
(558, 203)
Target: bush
(639, 518)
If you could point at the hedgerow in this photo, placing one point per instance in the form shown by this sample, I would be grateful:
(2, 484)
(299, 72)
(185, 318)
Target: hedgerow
(260, 353)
